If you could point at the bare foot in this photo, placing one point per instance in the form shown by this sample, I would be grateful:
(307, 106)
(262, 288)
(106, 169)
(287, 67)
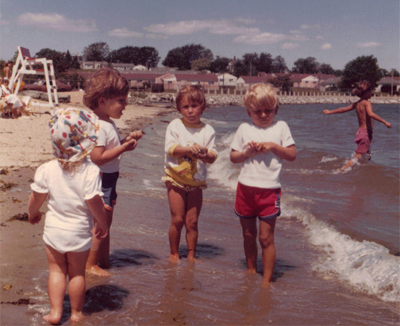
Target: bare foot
(174, 258)
(96, 270)
(53, 317)
(266, 285)
(77, 316)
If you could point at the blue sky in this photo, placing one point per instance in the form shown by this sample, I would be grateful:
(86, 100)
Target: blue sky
(332, 31)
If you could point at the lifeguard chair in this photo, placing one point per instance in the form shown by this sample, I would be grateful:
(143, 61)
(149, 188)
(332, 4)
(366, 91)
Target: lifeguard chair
(27, 65)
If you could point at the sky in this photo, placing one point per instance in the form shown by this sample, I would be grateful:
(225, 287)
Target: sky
(333, 32)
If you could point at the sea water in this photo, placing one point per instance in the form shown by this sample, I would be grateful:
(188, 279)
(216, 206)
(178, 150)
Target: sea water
(337, 238)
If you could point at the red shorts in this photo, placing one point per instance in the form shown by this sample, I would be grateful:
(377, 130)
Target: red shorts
(257, 202)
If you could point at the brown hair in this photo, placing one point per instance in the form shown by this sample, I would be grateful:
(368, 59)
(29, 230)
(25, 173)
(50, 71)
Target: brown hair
(194, 94)
(362, 88)
(260, 96)
(107, 83)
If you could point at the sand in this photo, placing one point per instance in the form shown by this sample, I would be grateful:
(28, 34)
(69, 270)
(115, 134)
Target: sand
(24, 145)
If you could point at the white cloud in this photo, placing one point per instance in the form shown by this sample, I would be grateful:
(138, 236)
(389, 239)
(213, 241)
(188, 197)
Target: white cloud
(305, 26)
(222, 27)
(262, 38)
(290, 46)
(55, 22)
(326, 46)
(368, 45)
(241, 28)
(124, 33)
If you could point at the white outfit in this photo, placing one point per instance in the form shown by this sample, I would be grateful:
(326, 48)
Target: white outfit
(109, 138)
(262, 170)
(188, 170)
(68, 215)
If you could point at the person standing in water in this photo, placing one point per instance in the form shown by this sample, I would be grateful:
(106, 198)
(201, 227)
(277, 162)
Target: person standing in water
(365, 114)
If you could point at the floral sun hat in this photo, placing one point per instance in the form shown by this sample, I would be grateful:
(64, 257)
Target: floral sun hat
(73, 134)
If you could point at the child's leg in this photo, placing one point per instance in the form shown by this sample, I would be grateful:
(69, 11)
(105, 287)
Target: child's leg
(57, 284)
(266, 237)
(76, 285)
(194, 200)
(104, 248)
(100, 252)
(249, 229)
(177, 204)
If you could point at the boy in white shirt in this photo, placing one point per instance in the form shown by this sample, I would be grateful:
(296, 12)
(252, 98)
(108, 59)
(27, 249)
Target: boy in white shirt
(260, 146)
(106, 94)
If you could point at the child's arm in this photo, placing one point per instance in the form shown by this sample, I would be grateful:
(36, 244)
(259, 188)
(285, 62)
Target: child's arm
(285, 153)
(96, 206)
(99, 155)
(373, 115)
(36, 200)
(341, 110)
(241, 156)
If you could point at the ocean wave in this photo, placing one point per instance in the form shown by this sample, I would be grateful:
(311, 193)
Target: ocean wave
(365, 266)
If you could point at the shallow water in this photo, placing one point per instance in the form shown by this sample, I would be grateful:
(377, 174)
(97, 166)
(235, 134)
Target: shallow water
(337, 239)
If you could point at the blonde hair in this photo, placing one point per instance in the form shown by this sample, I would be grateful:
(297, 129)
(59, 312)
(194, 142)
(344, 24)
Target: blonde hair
(194, 94)
(107, 83)
(260, 96)
(362, 88)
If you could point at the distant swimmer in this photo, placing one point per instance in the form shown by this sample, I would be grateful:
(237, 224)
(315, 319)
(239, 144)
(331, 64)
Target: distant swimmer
(365, 114)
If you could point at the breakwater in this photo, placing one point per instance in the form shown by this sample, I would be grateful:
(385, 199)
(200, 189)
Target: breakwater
(237, 100)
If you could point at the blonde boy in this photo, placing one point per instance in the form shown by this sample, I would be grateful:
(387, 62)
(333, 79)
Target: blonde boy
(260, 146)
(106, 94)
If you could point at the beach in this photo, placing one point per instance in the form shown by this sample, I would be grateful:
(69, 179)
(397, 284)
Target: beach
(337, 238)
(24, 145)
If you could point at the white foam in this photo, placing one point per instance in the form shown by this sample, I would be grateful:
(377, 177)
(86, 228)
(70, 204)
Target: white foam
(366, 266)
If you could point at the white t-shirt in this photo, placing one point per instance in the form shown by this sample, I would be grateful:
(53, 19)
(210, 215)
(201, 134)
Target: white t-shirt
(188, 170)
(68, 191)
(262, 170)
(109, 138)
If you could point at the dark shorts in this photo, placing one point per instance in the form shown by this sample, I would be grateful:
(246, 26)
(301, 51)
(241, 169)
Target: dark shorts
(257, 202)
(109, 189)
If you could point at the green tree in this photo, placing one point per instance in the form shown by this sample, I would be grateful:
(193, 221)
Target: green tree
(361, 68)
(96, 52)
(278, 65)
(182, 57)
(148, 56)
(264, 63)
(60, 62)
(306, 66)
(220, 65)
(327, 69)
(126, 54)
(201, 64)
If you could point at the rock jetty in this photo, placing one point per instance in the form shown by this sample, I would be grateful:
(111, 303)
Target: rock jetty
(168, 99)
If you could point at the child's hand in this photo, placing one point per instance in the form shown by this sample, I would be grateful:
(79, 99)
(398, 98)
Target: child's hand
(100, 231)
(252, 149)
(198, 151)
(129, 145)
(326, 111)
(388, 124)
(35, 218)
(137, 134)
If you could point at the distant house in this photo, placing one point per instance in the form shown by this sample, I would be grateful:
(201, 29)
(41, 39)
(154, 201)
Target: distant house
(309, 82)
(330, 84)
(227, 80)
(174, 81)
(386, 84)
(93, 65)
(244, 82)
(141, 80)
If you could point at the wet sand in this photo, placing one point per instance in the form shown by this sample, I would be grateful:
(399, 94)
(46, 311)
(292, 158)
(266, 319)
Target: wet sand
(24, 145)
